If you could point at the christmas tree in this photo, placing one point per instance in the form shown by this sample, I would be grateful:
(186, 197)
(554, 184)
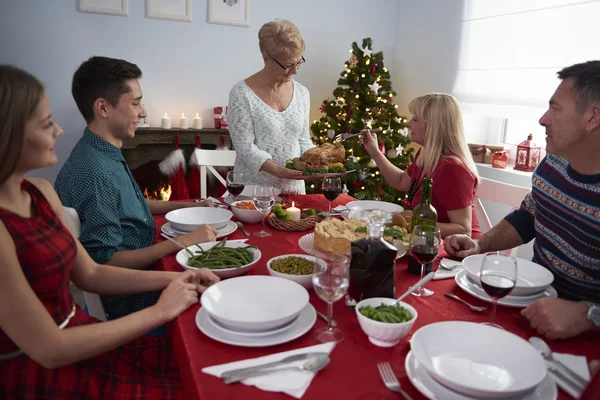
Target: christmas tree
(364, 100)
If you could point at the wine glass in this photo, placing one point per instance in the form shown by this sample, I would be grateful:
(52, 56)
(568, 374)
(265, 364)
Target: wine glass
(331, 188)
(235, 183)
(424, 245)
(264, 198)
(331, 278)
(498, 278)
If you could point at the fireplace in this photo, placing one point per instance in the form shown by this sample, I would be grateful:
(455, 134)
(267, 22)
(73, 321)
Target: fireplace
(150, 146)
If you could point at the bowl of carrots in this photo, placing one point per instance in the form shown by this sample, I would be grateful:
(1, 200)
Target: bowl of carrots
(245, 212)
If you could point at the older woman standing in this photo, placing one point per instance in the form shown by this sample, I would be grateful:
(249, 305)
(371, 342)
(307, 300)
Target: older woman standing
(269, 112)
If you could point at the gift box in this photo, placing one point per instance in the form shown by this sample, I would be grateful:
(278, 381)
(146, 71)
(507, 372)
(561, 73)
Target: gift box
(484, 153)
(220, 116)
(500, 159)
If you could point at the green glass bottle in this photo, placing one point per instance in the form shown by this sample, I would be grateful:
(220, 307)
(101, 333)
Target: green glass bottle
(424, 213)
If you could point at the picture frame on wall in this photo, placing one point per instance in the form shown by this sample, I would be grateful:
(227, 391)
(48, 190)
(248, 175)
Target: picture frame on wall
(176, 10)
(110, 7)
(229, 12)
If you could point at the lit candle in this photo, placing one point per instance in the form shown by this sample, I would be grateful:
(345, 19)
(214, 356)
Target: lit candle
(165, 122)
(197, 122)
(183, 122)
(294, 212)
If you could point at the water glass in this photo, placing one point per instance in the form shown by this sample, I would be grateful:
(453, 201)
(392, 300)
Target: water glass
(264, 198)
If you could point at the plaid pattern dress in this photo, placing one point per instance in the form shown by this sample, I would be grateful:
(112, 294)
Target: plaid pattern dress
(142, 369)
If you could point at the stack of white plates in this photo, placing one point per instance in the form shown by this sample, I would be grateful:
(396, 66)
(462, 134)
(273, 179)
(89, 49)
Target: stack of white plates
(185, 220)
(463, 360)
(533, 282)
(255, 311)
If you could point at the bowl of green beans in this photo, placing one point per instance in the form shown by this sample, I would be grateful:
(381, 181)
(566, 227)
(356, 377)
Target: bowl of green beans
(295, 267)
(225, 258)
(383, 323)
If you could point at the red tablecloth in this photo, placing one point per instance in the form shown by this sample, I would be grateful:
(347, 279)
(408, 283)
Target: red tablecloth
(352, 372)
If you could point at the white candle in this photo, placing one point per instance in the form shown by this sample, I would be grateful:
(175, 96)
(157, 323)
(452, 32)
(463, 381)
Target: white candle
(197, 122)
(183, 122)
(165, 122)
(294, 212)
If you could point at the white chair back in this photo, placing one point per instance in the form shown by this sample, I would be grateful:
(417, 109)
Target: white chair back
(207, 160)
(92, 300)
(498, 192)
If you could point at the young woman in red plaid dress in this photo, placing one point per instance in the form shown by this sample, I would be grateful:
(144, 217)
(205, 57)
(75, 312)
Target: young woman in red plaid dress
(49, 348)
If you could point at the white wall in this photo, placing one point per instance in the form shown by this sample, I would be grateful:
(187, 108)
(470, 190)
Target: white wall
(188, 67)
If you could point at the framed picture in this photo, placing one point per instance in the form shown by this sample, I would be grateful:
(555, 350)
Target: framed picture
(177, 10)
(111, 7)
(229, 12)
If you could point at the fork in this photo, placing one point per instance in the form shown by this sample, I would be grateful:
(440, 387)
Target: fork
(472, 307)
(389, 379)
(241, 226)
(343, 136)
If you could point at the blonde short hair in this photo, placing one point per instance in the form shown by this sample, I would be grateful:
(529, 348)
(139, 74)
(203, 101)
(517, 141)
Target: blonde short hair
(445, 134)
(279, 36)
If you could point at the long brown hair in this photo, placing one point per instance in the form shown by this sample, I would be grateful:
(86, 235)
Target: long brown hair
(20, 94)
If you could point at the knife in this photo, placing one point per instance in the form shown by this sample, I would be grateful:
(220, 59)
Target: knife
(297, 357)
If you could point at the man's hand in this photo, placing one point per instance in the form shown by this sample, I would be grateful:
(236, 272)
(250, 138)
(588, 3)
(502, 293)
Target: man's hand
(203, 234)
(558, 318)
(205, 203)
(204, 278)
(461, 246)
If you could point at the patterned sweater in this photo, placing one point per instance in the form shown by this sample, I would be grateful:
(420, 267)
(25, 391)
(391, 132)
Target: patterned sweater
(259, 133)
(562, 213)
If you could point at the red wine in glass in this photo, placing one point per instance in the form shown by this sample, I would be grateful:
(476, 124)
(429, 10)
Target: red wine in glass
(235, 183)
(424, 253)
(235, 188)
(331, 188)
(331, 193)
(497, 286)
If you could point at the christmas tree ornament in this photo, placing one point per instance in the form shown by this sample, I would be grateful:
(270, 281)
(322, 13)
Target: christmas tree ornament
(372, 164)
(399, 150)
(353, 158)
(323, 107)
(353, 61)
(373, 68)
(375, 87)
(382, 147)
(391, 154)
(355, 84)
(368, 123)
(330, 133)
(366, 51)
(405, 204)
(362, 175)
(345, 189)
(339, 102)
(403, 131)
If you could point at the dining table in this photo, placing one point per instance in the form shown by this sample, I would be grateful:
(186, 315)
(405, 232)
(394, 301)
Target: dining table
(352, 372)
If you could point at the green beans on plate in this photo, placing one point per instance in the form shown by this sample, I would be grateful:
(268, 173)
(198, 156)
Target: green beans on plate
(390, 314)
(293, 265)
(221, 257)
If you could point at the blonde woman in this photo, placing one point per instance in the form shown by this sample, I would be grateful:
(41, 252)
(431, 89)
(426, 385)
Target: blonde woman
(269, 111)
(437, 126)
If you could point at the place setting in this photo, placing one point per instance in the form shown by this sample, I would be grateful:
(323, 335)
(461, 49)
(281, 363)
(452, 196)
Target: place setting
(185, 220)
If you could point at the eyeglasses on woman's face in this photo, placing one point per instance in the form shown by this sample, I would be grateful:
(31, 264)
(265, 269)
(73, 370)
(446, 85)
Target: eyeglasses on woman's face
(291, 66)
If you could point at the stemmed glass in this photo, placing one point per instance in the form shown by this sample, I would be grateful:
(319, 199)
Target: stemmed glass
(264, 198)
(331, 188)
(498, 278)
(425, 243)
(235, 183)
(331, 278)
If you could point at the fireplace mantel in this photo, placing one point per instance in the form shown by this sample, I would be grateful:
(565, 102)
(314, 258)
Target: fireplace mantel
(156, 143)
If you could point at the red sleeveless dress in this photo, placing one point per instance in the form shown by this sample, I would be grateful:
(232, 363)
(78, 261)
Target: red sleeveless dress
(141, 369)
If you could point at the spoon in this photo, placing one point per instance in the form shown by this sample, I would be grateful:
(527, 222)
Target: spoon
(472, 307)
(571, 376)
(241, 226)
(324, 318)
(314, 363)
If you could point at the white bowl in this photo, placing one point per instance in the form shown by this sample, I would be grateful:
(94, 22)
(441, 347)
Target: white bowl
(183, 256)
(375, 205)
(188, 219)
(304, 280)
(254, 303)
(246, 216)
(384, 334)
(531, 277)
(478, 360)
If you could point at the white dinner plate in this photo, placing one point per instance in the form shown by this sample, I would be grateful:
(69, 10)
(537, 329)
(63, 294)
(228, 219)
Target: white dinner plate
(478, 360)
(228, 229)
(474, 289)
(375, 205)
(297, 328)
(532, 278)
(307, 244)
(432, 389)
(249, 333)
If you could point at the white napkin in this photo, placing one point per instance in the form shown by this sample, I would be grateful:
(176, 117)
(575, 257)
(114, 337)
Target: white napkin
(578, 364)
(443, 273)
(339, 208)
(293, 383)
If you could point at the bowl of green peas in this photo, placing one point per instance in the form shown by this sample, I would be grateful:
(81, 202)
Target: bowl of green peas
(294, 267)
(383, 323)
(225, 258)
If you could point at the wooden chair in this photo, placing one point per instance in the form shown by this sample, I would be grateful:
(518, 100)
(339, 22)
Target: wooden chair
(207, 160)
(92, 300)
(499, 192)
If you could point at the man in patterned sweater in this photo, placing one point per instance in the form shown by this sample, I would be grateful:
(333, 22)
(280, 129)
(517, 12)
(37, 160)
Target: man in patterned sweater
(562, 212)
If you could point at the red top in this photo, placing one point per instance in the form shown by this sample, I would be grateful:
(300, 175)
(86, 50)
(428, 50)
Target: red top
(454, 187)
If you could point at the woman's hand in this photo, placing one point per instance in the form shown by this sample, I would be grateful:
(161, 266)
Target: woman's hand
(181, 293)
(369, 141)
(287, 173)
(204, 278)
